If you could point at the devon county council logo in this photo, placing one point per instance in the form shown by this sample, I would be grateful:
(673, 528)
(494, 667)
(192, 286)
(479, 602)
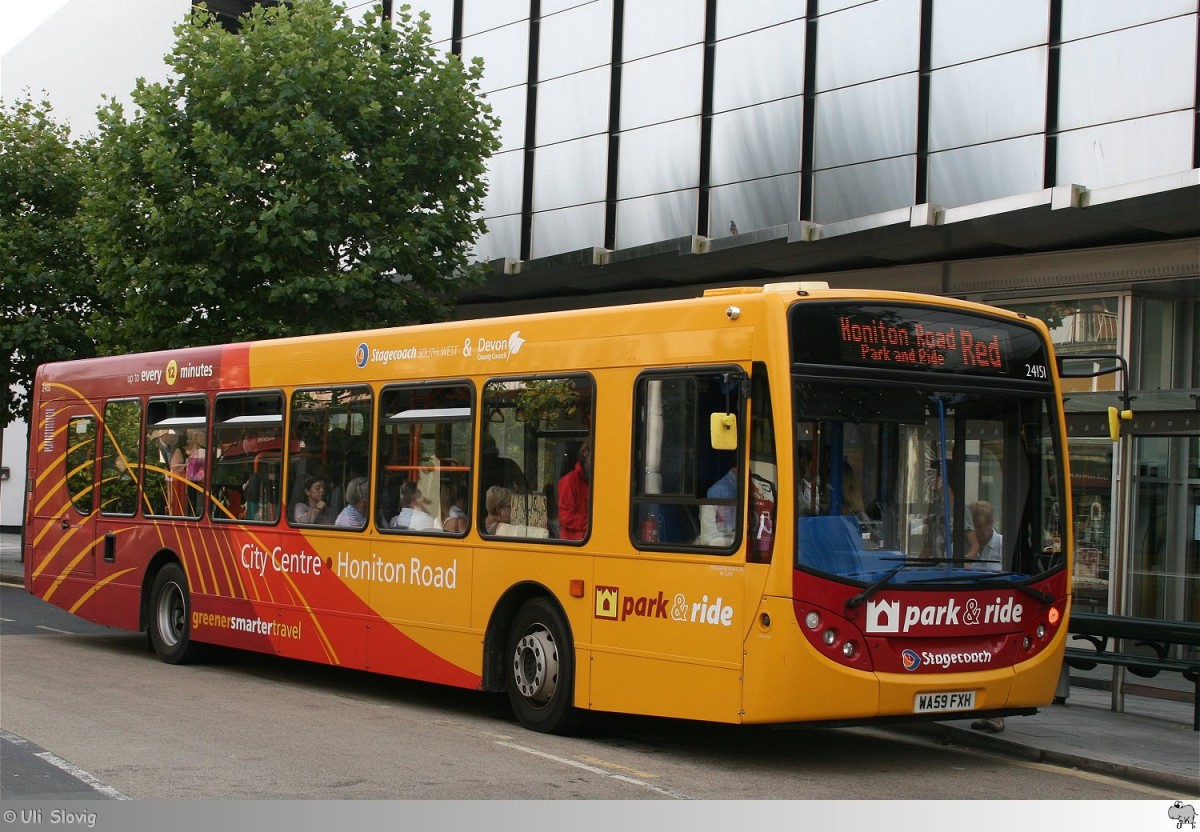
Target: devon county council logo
(361, 355)
(911, 659)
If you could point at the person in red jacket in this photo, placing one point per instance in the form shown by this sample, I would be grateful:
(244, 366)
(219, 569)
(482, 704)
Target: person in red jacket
(574, 497)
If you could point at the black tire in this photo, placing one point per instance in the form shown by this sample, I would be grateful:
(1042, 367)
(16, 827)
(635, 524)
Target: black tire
(169, 622)
(539, 670)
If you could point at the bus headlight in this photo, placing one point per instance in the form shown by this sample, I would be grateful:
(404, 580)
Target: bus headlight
(829, 637)
(848, 649)
(812, 621)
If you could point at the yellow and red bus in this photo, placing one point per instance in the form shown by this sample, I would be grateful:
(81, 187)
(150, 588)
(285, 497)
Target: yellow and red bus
(763, 505)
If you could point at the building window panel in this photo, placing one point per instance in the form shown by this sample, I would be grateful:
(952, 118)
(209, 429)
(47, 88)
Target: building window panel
(505, 54)
(1129, 151)
(508, 105)
(988, 171)
(998, 98)
(862, 190)
(502, 239)
(571, 173)
(505, 175)
(867, 42)
(757, 141)
(654, 26)
(759, 203)
(1127, 74)
(568, 229)
(573, 106)
(485, 15)
(762, 66)
(737, 18)
(870, 121)
(965, 30)
(1083, 18)
(661, 88)
(655, 218)
(441, 18)
(574, 40)
(662, 158)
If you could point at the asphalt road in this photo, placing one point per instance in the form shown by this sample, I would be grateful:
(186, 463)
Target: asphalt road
(102, 710)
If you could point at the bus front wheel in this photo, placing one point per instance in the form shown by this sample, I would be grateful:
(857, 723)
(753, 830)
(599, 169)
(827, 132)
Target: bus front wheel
(170, 605)
(540, 669)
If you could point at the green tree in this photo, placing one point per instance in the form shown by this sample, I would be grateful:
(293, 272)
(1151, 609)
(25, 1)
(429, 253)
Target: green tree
(308, 174)
(46, 284)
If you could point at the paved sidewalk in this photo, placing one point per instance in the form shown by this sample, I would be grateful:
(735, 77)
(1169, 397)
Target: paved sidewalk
(1152, 742)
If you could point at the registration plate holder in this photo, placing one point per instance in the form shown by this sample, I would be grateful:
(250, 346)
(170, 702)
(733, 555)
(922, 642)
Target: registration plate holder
(944, 701)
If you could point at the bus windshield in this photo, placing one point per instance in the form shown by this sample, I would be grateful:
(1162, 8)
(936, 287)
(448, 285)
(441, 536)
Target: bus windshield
(931, 485)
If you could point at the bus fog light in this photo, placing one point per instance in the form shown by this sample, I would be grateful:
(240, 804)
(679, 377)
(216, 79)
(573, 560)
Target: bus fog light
(829, 637)
(1026, 642)
(848, 649)
(1041, 631)
(812, 621)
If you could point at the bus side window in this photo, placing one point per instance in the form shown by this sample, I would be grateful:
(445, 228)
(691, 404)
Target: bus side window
(120, 470)
(247, 457)
(686, 493)
(532, 443)
(80, 460)
(423, 467)
(330, 444)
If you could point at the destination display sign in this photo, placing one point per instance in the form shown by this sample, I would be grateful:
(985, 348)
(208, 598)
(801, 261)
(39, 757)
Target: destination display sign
(915, 338)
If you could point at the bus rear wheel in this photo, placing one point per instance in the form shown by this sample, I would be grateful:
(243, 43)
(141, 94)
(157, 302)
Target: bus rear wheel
(540, 669)
(170, 608)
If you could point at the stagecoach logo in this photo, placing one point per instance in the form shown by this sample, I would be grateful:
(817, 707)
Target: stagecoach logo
(911, 659)
(361, 355)
(611, 605)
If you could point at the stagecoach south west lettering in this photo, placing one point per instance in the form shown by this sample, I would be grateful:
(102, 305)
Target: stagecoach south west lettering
(894, 617)
(879, 342)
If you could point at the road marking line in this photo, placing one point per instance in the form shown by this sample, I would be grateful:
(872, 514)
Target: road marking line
(73, 770)
(55, 630)
(624, 778)
(616, 766)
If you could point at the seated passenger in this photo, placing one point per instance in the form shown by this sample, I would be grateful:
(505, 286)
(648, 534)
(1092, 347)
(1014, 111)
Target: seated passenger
(454, 513)
(499, 508)
(354, 515)
(413, 515)
(313, 510)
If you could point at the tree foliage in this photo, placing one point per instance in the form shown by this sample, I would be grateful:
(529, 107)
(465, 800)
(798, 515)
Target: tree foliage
(46, 284)
(308, 174)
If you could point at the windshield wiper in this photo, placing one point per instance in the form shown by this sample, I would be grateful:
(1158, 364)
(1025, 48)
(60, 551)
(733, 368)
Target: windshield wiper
(857, 600)
(987, 579)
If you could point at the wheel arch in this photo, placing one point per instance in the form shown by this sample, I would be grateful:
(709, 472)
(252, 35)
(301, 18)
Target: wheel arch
(161, 558)
(494, 656)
